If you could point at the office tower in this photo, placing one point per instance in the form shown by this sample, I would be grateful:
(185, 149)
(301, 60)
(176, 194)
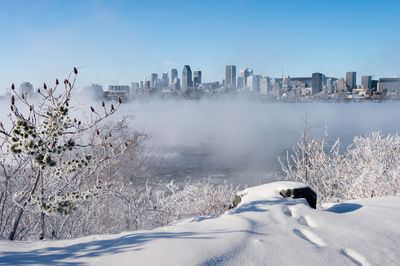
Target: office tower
(341, 85)
(186, 78)
(172, 74)
(197, 78)
(164, 80)
(141, 84)
(244, 74)
(239, 82)
(390, 86)
(374, 84)
(253, 83)
(265, 85)
(351, 81)
(176, 84)
(134, 88)
(153, 80)
(316, 83)
(230, 76)
(366, 82)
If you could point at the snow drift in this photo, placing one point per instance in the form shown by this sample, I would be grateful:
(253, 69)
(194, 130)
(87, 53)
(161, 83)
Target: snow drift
(265, 229)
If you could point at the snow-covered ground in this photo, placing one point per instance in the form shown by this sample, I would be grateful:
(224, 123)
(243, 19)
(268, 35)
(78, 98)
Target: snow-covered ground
(265, 229)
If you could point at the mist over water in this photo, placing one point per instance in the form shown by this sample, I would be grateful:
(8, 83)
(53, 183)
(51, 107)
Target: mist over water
(239, 140)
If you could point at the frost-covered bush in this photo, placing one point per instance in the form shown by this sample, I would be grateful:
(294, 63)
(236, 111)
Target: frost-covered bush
(200, 198)
(369, 167)
(54, 159)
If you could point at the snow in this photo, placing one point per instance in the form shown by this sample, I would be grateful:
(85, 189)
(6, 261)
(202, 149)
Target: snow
(265, 229)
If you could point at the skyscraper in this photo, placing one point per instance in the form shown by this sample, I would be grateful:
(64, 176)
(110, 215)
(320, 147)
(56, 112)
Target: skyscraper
(316, 83)
(164, 80)
(230, 76)
(153, 80)
(239, 82)
(197, 78)
(172, 74)
(366, 82)
(351, 81)
(186, 78)
(244, 74)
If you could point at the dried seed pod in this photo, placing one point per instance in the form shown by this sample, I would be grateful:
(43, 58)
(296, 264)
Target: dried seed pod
(110, 145)
(112, 107)
(23, 96)
(91, 108)
(13, 86)
(57, 82)
(12, 100)
(109, 134)
(103, 104)
(119, 100)
(126, 144)
(75, 70)
(74, 120)
(45, 86)
(12, 108)
(65, 81)
(97, 132)
(38, 90)
(67, 104)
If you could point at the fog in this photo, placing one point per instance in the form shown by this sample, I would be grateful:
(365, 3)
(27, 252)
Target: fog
(239, 140)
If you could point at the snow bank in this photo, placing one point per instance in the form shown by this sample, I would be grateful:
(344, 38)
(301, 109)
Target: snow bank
(265, 229)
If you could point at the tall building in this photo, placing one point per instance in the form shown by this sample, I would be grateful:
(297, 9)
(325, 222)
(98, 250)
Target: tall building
(253, 83)
(197, 78)
(239, 82)
(230, 76)
(366, 82)
(172, 74)
(391, 86)
(265, 85)
(153, 80)
(176, 84)
(164, 80)
(244, 74)
(341, 85)
(316, 83)
(351, 81)
(186, 78)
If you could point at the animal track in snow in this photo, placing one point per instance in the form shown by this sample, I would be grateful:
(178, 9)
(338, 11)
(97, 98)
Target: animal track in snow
(306, 221)
(310, 237)
(355, 257)
(287, 211)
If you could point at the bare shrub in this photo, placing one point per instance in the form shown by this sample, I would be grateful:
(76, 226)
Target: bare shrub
(369, 167)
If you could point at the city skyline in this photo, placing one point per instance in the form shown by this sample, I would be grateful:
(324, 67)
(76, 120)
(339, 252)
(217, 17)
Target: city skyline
(121, 41)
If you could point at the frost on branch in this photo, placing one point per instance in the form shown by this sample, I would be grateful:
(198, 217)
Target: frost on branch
(369, 167)
(52, 163)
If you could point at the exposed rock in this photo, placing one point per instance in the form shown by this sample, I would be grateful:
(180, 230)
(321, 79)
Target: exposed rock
(304, 192)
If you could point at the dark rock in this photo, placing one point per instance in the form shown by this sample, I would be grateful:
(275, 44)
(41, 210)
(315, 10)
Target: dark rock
(304, 192)
(235, 202)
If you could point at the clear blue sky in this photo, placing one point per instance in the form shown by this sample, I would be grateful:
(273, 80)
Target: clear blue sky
(123, 41)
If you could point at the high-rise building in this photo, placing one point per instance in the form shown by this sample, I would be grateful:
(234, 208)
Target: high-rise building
(186, 78)
(239, 82)
(197, 78)
(164, 80)
(366, 82)
(253, 83)
(341, 85)
(176, 84)
(351, 81)
(230, 76)
(316, 83)
(265, 85)
(391, 86)
(172, 74)
(153, 80)
(244, 74)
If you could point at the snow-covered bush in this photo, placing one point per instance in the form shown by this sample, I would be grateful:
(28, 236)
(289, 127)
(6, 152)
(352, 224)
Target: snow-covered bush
(369, 167)
(54, 159)
(200, 198)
